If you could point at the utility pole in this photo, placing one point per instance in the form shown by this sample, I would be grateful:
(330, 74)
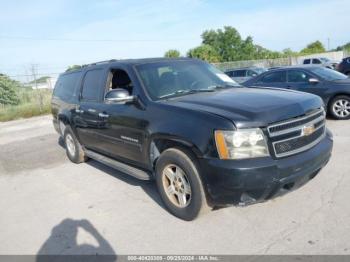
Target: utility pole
(34, 69)
(328, 44)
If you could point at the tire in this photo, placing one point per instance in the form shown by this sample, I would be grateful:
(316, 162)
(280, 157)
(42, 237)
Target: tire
(348, 74)
(74, 150)
(183, 202)
(339, 107)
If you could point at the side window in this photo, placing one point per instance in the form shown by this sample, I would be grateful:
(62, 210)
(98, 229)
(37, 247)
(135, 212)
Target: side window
(92, 85)
(239, 73)
(316, 61)
(66, 84)
(120, 79)
(251, 73)
(229, 73)
(306, 61)
(296, 76)
(275, 77)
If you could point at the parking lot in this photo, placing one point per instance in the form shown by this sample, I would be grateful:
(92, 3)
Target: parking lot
(52, 206)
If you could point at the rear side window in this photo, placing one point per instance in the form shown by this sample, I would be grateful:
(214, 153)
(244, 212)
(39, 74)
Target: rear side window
(229, 73)
(66, 84)
(316, 61)
(239, 73)
(275, 77)
(306, 61)
(92, 85)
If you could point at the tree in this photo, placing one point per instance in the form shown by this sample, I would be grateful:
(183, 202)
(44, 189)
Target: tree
(172, 53)
(227, 43)
(313, 48)
(345, 47)
(73, 67)
(230, 46)
(8, 95)
(204, 52)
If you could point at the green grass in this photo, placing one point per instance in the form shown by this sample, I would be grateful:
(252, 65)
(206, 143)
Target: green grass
(29, 105)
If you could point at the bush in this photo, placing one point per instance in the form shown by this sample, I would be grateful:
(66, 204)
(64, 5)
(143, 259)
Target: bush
(29, 106)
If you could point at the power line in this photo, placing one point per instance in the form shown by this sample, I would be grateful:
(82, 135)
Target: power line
(94, 40)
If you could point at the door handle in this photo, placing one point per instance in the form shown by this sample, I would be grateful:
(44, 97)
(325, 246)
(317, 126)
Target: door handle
(103, 115)
(79, 111)
(91, 110)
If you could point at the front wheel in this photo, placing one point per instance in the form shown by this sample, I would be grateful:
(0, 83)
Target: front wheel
(179, 184)
(340, 107)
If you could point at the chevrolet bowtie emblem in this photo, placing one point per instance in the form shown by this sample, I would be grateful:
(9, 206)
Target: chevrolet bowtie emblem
(308, 130)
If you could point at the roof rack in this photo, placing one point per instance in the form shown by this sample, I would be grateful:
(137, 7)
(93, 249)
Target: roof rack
(101, 62)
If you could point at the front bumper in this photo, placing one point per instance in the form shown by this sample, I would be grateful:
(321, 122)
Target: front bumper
(242, 182)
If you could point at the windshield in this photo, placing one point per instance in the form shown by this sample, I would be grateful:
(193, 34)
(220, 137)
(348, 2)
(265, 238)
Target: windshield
(260, 70)
(182, 77)
(328, 74)
(324, 59)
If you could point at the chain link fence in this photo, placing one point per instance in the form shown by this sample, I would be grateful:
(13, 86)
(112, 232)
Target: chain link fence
(285, 61)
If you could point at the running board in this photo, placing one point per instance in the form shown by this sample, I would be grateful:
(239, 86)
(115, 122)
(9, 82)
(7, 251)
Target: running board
(129, 170)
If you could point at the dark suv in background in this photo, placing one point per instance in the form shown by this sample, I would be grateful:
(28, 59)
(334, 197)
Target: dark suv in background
(344, 66)
(333, 87)
(205, 140)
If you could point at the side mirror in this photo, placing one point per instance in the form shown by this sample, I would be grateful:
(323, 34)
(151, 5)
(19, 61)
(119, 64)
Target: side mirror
(119, 95)
(313, 81)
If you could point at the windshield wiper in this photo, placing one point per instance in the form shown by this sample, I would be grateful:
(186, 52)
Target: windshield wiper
(216, 87)
(186, 92)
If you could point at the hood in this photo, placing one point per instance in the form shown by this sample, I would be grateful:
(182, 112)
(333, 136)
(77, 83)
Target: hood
(251, 107)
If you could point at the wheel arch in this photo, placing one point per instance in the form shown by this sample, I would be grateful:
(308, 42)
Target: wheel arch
(159, 143)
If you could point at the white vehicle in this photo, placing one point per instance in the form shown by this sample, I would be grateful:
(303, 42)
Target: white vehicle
(322, 61)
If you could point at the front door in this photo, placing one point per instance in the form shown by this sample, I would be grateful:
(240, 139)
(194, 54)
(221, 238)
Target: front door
(299, 80)
(122, 131)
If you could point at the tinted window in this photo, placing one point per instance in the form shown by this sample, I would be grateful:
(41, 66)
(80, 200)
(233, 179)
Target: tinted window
(239, 73)
(275, 77)
(306, 61)
(66, 85)
(251, 73)
(229, 73)
(316, 61)
(328, 74)
(92, 85)
(298, 76)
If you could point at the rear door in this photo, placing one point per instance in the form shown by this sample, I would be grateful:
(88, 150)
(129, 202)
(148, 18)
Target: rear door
(239, 75)
(88, 122)
(276, 79)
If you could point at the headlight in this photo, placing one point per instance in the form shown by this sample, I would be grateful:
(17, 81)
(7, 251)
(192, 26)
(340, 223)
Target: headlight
(239, 144)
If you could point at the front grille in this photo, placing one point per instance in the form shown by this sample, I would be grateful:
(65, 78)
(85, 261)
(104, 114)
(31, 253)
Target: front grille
(298, 134)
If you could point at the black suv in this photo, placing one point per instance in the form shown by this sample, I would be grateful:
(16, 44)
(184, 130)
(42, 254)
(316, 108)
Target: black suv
(205, 140)
(344, 66)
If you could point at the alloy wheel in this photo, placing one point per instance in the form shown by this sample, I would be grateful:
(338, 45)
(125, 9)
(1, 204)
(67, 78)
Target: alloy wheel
(176, 186)
(341, 108)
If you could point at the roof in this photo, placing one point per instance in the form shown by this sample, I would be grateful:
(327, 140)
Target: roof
(243, 68)
(130, 62)
(295, 67)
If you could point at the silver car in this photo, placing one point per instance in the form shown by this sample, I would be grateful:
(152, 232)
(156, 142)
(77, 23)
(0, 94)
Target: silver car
(241, 75)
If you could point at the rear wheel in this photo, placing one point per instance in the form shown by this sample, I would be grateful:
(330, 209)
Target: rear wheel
(340, 107)
(74, 150)
(179, 184)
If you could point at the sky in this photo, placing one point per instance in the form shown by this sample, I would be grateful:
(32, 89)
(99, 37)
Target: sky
(55, 34)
